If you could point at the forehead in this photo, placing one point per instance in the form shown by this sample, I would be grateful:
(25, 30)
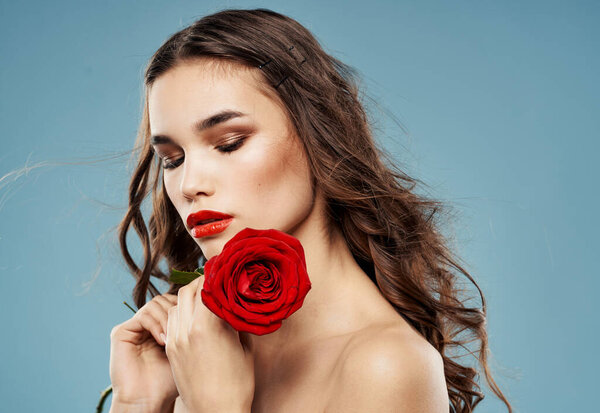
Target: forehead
(204, 83)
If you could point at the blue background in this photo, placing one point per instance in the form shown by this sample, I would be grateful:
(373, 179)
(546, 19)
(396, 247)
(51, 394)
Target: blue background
(500, 107)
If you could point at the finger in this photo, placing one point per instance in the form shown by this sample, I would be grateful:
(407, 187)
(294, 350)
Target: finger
(171, 325)
(199, 285)
(199, 307)
(147, 321)
(202, 314)
(160, 311)
(166, 301)
(185, 306)
(171, 297)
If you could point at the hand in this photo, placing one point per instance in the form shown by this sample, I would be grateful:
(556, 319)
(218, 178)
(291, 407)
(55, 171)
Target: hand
(139, 369)
(213, 370)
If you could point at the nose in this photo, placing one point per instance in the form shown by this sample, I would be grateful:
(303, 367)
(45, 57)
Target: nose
(197, 179)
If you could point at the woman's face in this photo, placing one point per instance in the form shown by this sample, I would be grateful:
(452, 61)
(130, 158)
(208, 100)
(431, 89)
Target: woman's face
(246, 163)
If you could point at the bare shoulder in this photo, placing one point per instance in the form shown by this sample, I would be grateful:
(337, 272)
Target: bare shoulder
(389, 369)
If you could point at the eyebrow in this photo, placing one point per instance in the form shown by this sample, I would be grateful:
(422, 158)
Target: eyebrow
(201, 125)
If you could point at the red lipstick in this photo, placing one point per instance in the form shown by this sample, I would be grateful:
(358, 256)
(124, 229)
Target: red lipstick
(204, 223)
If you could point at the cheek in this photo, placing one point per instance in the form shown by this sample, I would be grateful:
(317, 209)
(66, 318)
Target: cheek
(168, 184)
(273, 181)
(171, 192)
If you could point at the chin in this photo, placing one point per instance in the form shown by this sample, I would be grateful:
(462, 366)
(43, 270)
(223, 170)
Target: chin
(211, 247)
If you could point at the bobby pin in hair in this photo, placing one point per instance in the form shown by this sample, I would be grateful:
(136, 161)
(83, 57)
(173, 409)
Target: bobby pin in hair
(286, 76)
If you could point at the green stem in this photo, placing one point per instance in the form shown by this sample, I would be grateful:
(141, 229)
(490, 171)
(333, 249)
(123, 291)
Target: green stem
(105, 394)
(125, 302)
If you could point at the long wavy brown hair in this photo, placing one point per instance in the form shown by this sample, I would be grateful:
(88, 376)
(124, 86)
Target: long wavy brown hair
(392, 232)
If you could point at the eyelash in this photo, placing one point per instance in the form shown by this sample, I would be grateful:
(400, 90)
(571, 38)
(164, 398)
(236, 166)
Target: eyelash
(223, 148)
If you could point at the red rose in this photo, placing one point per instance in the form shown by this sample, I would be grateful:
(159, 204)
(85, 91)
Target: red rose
(258, 280)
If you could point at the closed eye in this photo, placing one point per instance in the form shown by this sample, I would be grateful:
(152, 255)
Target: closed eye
(168, 164)
(232, 146)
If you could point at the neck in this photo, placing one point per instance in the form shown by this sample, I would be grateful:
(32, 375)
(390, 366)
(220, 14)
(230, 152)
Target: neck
(329, 308)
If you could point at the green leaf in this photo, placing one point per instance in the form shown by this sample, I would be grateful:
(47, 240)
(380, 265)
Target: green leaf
(184, 277)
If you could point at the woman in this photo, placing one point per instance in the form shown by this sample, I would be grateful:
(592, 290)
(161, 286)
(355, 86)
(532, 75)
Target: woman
(247, 116)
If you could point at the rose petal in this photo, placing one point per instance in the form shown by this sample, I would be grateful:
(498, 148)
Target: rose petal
(258, 280)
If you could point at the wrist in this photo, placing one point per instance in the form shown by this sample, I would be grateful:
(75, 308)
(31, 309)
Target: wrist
(141, 406)
(217, 409)
(228, 410)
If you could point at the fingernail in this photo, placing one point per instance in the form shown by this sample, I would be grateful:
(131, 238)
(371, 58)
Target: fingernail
(163, 337)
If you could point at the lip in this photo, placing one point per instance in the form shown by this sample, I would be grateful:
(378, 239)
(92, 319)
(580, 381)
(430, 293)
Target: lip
(194, 222)
(211, 228)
